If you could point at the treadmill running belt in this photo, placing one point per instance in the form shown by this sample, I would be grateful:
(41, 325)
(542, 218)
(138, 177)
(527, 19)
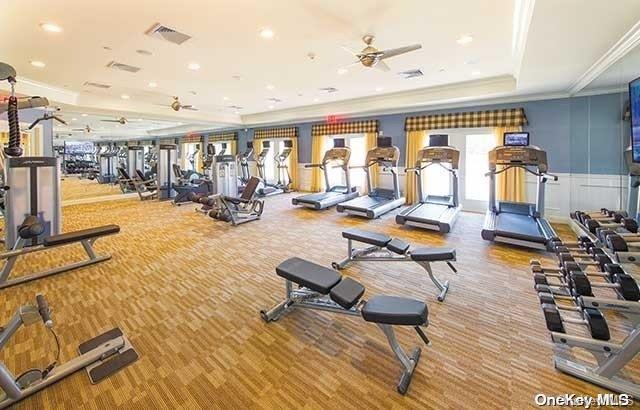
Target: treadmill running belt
(431, 212)
(317, 197)
(364, 202)
(519, 226)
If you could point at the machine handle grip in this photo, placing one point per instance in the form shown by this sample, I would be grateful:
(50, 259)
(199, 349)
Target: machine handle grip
(43, 309)
(313, 166)
(422, 335)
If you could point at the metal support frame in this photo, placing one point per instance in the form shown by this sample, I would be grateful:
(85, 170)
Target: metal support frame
(11, 257)
(380, 254)
(308, 299)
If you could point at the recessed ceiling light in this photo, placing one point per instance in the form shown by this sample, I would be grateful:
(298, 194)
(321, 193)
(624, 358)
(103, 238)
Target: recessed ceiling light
(194, 66)
(271, 87)
(266, 33)
(441, 69)
(237, 112)
(152, 84)
(51, 28)
(84, 115)
(37, 63)
(464, 39)
(316, 99)
(475, 73)
(271, 107)
(74, 119)
(342, 71)
(378, 89)
(125, 96)
(225, 98)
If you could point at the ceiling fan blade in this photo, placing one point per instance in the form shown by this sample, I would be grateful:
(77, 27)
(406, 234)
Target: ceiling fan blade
(110, 120)
(189, 107)
(348, 50)
(382, 66)
(397, 51)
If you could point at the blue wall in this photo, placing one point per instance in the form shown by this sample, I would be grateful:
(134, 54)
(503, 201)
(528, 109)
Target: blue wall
(580, 135)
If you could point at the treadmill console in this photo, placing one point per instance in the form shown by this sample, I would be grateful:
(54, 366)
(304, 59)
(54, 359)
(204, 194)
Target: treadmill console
(337, 154)
(518, 156)
(384, 155)
(437, 154)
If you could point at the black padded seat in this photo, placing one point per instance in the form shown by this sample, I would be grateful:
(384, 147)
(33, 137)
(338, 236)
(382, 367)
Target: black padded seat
(77, 236)
(373, 238)
(347, 293)
(309, 274)
(398, 246)
(394, 310)
(433, 254)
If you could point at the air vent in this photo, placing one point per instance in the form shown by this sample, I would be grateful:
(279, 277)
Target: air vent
(144, 52)
(235, 107)
(275, 100)
(328, 90)
(411, 74)
(167, 34)
(123, 67)
(96, 85)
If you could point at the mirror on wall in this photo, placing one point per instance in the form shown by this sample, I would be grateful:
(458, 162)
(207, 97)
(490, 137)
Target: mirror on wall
(600, 128)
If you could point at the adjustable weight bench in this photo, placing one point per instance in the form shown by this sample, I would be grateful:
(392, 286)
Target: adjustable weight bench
(384, 248)
(31, 229)
(325, 289)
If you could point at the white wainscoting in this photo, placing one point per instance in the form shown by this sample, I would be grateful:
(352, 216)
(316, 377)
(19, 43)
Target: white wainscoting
(571, 192)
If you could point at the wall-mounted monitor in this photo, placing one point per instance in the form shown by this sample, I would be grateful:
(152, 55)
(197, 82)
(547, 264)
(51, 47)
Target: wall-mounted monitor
(266, 144)
(516, 139)
(288, 143)
(438, 140)
(634, 105)
(249, 144)
(338, 143)
(384, 142)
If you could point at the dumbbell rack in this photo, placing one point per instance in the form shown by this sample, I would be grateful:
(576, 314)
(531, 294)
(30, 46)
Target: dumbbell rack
(570, 293)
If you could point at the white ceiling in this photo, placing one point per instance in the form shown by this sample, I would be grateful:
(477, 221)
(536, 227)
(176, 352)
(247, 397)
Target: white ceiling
(563, 40)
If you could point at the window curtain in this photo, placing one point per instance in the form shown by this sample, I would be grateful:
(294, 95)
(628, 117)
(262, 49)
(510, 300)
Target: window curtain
(510, 185)
(293, 165)
(317, 153)
(416, 140)
(372, 142)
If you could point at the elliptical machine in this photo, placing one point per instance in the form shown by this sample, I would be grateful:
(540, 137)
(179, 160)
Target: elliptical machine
(243, 162)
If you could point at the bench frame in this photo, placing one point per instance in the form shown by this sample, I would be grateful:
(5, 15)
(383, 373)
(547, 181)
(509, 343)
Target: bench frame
(11, 257)
(382, 254)
(302, 297)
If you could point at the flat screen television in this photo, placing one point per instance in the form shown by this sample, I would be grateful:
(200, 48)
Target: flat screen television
(438, 140)
(516, 139)
(338, 143)
(634, 105)
(384, 142)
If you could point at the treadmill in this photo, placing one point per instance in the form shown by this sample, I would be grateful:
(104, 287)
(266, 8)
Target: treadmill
(435, 212)
(336, 157)
(378, 201)
(518, 223)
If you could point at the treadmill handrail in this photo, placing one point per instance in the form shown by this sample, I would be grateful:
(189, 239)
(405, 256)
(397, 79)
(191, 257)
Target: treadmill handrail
(538, 174)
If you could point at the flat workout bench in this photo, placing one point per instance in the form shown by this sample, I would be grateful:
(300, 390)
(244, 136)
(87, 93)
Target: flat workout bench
(30, 229)
(325, 289)
(385, 248)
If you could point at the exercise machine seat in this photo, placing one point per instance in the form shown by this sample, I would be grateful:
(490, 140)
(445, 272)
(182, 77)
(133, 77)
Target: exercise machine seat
(394, 310)
(83, 234)
(30, 227)
(433, 254)
(373, 238)
(309, 274)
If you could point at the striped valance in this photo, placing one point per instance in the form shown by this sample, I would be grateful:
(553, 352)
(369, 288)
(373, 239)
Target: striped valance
(222, 136)
(353, 127)
(511, 117)
(169, 141)
(190, 138)
(266, 133)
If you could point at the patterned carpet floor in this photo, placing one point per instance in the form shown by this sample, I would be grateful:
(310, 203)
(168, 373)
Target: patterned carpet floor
(187, 291)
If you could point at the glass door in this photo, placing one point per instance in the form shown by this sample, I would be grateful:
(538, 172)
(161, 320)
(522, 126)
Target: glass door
(358, 145)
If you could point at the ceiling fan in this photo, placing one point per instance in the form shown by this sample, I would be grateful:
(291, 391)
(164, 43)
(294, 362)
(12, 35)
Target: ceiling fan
(371, 57)
(86, 129)
(120, 120)
(176, 105)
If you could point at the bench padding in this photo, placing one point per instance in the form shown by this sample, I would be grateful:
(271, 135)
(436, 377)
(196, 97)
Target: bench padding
(393, 310)
(347, 293)
(309, 274)
(77, 236)
(373, 238)
(433, 254)
(398, 246)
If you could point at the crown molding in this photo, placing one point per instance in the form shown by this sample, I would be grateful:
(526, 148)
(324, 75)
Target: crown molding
(26, 86)
(522, 16)
(620, 49)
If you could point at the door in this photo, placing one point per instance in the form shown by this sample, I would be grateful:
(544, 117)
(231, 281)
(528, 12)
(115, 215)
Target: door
(358, 145)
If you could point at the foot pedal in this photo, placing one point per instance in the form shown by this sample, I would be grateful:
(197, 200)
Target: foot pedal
(113, 358)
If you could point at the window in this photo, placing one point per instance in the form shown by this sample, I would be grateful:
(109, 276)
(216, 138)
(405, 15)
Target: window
(477, 165)
(358, 145)
(270, 164)
(436, 180)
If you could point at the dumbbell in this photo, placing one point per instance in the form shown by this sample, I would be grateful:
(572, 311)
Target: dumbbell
(596, 258)
(590, 317)
(627, 223)
(576, 283)
(617, 279)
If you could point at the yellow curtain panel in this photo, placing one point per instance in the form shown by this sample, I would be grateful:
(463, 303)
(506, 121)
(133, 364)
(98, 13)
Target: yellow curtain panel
(372, 141)
(510, 185)
(416, 140)
(317, 145)
(293, 165)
